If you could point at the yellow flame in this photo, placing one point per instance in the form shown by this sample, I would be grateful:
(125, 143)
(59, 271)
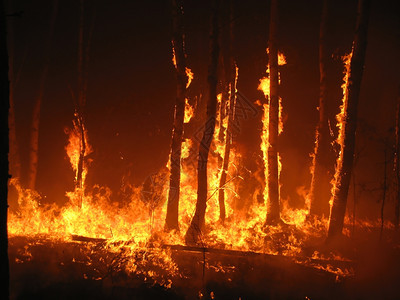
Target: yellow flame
(341, 118)
(137, 224)
(264, 86)
(281, 59)
(190, 76)
(189, 111)
(173, 56)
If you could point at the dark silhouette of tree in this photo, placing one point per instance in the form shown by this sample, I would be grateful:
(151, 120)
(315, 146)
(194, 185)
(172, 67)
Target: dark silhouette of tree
(349, 124)
(15, 163)
(198, 222)
(34, 140)
(230, 78)
(171, 221)
(384, 187)
(79, 116)
(4, 176)
(320, 182)
(273, 213)
(397, 163)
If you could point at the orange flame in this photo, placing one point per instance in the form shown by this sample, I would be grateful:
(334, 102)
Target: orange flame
(264, 86)
(341, 117)
(137, 226)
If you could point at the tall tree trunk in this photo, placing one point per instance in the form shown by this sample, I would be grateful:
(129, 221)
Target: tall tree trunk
(79, 122)
(198, 221)
(320, 183)
(224, 79)
(230, 75)
(384, 193)
(171, 221)
(15, 163)
(273, 212)
(397, 163)
(349, 121)
(81, 100)
(4, 176)
(34, 140)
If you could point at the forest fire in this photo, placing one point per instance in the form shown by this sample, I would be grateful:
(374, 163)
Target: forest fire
(220, 207)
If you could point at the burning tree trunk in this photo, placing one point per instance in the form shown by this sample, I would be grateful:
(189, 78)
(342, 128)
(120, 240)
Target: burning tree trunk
(80, 106)
(231, 77)
(273, 213)
(349, 122)
(319, 190)
(34, 141)
(171, 221)
(4, 176)
(198, 221)
(79, 121)
(397, 163)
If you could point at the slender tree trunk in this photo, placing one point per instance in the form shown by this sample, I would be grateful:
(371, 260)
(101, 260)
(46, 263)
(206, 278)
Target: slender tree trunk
(230, 75)
(171, 221)
(354, 205)
(222, 69)
(349, 121)
(34, 140)
(81, 100)
(228, 143)
(320, 187)
(4, 176)
(83, 56)
(79, 122)
(198, 221)
(397, 164)
(384, 194)
(273, 213)
(15, 163)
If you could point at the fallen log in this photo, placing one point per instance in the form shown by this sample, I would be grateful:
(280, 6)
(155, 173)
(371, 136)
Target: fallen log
(342, 264)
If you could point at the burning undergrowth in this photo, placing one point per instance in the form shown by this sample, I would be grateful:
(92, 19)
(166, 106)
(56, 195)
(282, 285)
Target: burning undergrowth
(129, 239)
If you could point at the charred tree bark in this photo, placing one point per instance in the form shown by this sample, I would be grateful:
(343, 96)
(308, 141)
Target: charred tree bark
(79, 113)
(230, 75)
(273, 213)
(198, 221)
(320, 183)
(80, 105)
(350, 121)
(34, 140)
(397, 163)
(83, 60)
(222, 69)
(4, 176)
(171, 221)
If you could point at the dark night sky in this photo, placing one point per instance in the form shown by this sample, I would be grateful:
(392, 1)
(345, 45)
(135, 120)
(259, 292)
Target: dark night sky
(131, 82)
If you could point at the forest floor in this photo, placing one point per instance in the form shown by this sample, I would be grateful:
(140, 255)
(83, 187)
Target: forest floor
(49, 269)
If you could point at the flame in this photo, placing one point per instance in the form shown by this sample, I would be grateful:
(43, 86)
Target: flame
(136, 226)
(74, 147)
(341, 118)
(281, 59)
(190, 76)
(264, 86)
(189, 111)
(174, 56)
(188, 71)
